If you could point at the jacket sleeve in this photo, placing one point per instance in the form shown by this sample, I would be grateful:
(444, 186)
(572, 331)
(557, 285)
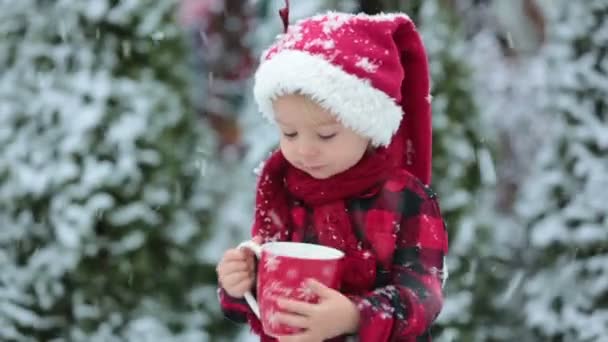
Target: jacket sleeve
(406, 307)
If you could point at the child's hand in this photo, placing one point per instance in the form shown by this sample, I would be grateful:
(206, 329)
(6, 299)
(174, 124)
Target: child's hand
(236, 271)
(334, 315)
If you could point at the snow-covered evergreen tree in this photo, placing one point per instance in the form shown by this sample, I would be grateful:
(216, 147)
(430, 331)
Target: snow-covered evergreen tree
(546, 278)
(510, 94)
(564, 203)
(101, 211)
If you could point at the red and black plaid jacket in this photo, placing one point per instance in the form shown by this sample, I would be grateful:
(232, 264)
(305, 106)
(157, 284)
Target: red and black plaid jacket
(400, 222)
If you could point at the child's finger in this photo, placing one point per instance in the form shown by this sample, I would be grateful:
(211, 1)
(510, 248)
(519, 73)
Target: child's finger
(296, 307)
(243, 286)
(302, 337)
(248, 254)
(295, 321)
(251, 266)
(319, 289)
(234, 254)
(233, 279)
(234, 266)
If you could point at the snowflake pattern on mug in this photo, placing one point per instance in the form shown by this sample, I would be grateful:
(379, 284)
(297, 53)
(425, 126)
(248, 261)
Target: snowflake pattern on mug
(305, 293)
(272, 318)
(327, 272)
(292, 273)
(271, 263)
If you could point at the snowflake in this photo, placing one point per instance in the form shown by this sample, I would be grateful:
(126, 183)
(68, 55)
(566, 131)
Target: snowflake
(329, 44)
(272, 318)
(275, 218)
(383, 16)
(386, 308)
(429, 98)
(444, 272)
(334, 22)
(292, 273)
(324, 43)
(363, 304)
(273, 238)
(433, 270)
(305, 293)
(387, 291)
(359, 245)
(258, 170)
(367, 65)
(327, 271)
(271, 263)
(397, 227)
(385, 315)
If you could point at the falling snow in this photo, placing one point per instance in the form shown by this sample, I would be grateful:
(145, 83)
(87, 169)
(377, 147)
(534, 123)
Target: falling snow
(367, 65)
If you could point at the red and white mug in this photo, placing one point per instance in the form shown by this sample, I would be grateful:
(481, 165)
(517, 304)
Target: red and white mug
(283, 269)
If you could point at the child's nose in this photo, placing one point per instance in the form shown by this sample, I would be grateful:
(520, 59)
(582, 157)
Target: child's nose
(307, 149)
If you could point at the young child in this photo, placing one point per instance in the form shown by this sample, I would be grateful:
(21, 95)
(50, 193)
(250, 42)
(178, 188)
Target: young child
(350, 97)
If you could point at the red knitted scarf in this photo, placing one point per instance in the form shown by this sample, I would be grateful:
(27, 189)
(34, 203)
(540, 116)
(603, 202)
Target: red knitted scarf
(280, 183)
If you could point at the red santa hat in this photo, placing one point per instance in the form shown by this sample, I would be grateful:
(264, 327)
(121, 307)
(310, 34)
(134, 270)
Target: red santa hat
(371, 71)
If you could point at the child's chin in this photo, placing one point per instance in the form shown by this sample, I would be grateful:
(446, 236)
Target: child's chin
(319, 175)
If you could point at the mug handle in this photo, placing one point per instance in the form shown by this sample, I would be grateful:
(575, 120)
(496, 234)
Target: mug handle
(249, 298)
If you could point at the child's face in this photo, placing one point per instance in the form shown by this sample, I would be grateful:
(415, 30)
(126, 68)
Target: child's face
(313, 141)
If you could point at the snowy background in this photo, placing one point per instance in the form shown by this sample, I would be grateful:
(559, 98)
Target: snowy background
(129, 140)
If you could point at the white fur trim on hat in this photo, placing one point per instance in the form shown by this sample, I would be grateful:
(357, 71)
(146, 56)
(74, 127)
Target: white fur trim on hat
(356, 103)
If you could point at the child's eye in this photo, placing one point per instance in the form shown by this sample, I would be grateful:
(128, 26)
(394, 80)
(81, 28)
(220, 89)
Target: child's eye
(327, 137)
(290, 135)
